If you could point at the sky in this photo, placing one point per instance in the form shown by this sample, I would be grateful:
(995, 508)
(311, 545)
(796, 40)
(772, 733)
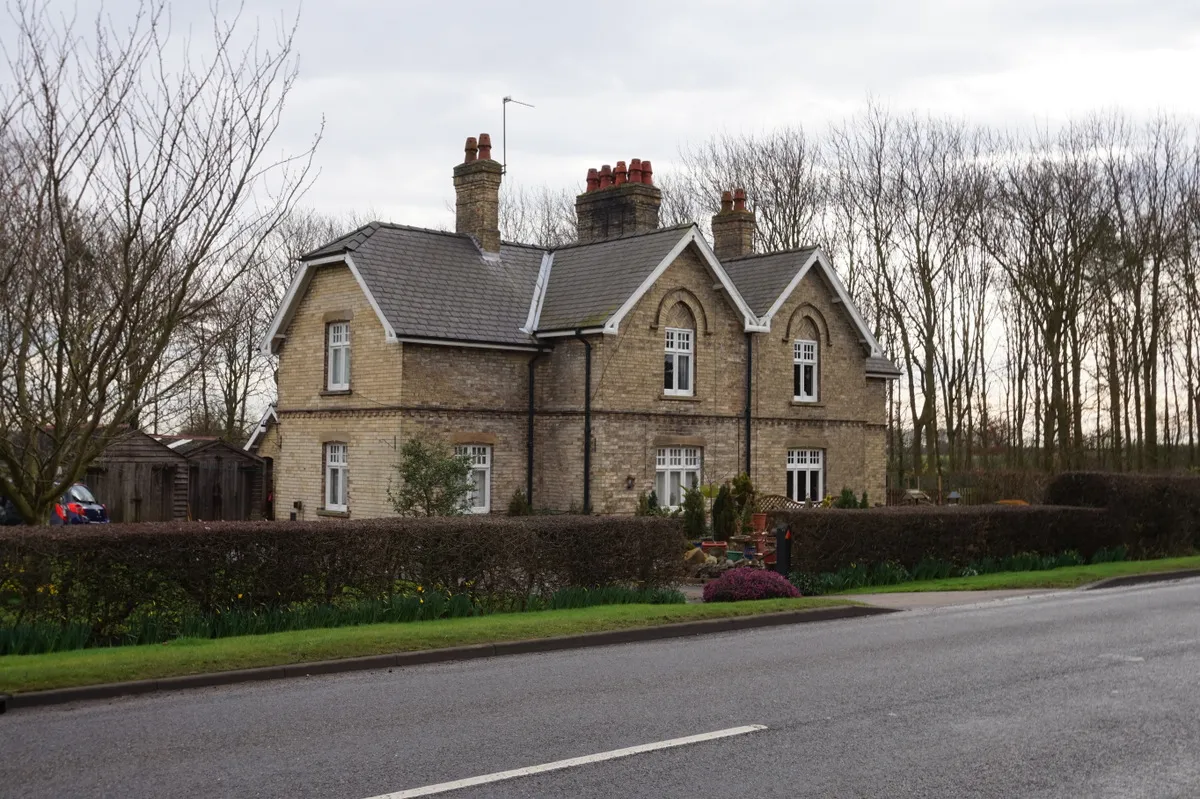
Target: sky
(400, 85)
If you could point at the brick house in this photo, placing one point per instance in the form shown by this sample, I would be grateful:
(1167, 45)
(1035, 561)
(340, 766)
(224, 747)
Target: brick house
(639, 357)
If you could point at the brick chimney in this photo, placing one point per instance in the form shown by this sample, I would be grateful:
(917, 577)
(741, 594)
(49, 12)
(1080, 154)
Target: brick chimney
(477, 184)
(733, 227)
(618, 201)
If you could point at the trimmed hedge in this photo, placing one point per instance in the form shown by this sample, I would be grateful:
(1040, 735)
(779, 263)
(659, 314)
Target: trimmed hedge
(1160, 513)
(826, 540)
(107, 575)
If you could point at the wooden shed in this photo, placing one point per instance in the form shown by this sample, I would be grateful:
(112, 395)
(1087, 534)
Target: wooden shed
(140, 480)
(225, 483)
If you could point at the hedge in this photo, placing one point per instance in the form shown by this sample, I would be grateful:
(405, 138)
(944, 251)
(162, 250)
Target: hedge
(826, 540)
(106, 575)
(1159, 512)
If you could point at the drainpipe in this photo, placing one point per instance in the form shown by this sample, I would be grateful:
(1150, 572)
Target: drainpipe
(529, 435)
(749, 371)
(587, 421)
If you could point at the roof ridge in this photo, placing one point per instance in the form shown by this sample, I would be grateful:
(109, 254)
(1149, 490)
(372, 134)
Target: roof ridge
(673, 229)
(806, 248)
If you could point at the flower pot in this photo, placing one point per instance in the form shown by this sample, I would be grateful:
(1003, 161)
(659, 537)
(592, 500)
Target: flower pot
(758, 521)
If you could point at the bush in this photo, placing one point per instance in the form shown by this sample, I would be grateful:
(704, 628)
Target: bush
(517, 506)
(724, 515)
(745, 583)
(1159, 513)
(114, 578)
(824, 541)
(694, 522)
(846, 500)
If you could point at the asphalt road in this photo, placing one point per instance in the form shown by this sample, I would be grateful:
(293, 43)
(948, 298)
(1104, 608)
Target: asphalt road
(1088, 694)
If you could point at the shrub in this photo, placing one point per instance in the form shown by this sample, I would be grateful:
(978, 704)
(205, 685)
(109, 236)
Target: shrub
(433, 480)
(517, 506)
(1160, 514)
(116, 576)
(846, 500)
(724, 515)
(694, 523)
(745, 583)
(826, 542)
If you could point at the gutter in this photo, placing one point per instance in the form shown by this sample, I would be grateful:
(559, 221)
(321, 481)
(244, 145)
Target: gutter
(587, 422)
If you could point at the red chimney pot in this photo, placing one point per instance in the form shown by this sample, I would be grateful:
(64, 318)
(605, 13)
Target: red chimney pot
(647, 173)
(739, 199)
(472, 148)
(593, 179)
(726, 202)
(485, 147)
(635, 171)
(606, 178)
(622, 173)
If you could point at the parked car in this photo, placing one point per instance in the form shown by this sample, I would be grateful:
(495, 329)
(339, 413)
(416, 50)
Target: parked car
(8, 513)
(79, 506)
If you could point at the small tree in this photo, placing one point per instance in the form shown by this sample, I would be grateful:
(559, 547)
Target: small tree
(742, 491)
(724, 514)
(846, 499)
(693, 514)
(433, 480)
(517, 506)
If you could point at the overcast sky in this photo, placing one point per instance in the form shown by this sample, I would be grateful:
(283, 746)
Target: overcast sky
(401, 84)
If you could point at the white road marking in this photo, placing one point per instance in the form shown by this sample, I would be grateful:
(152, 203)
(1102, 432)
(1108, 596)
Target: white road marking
(557, 765)
(1122, 658)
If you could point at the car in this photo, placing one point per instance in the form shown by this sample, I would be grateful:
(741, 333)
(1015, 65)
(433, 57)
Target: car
(79, 506)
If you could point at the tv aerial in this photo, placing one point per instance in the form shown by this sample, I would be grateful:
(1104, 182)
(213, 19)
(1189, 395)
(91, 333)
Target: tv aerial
(504, 130)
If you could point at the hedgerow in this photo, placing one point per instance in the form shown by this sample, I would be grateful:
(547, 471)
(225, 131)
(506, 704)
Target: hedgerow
(113, 578)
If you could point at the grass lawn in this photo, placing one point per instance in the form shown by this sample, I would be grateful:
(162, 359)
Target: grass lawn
(196, 656)
(1066, 577)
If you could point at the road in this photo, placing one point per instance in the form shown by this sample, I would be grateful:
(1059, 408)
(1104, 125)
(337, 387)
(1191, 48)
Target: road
(1083, 694)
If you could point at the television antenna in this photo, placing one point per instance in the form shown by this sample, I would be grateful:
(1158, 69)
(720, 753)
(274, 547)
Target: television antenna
(504, 130)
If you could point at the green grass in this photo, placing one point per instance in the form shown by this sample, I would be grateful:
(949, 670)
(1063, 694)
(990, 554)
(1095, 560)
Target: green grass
(1067, 577)
(197, 656)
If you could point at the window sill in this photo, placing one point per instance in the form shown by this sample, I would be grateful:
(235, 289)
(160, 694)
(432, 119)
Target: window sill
(680, 397)
(335, 392)
(807, 404)
(334, 514)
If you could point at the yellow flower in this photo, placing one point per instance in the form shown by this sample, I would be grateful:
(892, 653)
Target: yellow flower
(419, 588)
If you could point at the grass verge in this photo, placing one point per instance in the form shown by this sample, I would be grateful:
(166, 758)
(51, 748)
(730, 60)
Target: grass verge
(20, 673)
(1066, 577)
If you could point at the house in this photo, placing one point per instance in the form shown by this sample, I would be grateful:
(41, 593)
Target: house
(637, 358)
(225, 483)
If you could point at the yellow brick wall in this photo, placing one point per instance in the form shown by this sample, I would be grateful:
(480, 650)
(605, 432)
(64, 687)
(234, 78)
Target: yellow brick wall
(376, 367)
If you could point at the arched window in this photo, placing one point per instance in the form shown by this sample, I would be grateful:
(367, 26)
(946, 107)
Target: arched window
(679, 361)
(806, 366)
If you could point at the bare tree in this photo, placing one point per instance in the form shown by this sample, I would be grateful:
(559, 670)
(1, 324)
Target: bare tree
(138, 193)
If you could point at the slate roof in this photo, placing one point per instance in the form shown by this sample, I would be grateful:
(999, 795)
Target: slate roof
(762, 278)
(589, 282)
(437, 285)
(432, 284)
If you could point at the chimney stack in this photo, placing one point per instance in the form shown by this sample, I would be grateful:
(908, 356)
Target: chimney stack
(733, 227)
(477, 186)
(618, 202)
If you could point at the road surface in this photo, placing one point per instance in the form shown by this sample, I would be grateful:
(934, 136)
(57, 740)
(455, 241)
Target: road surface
(1082, 694)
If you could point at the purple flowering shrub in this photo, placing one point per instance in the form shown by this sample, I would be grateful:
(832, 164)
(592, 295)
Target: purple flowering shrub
(745, 583)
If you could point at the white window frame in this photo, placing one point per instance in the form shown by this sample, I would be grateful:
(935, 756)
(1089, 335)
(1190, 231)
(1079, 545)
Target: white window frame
(805, 356)
(684, 464)
(680, 344)
(804, 466)
(337, 471)
(337, 335)
(481, 469)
